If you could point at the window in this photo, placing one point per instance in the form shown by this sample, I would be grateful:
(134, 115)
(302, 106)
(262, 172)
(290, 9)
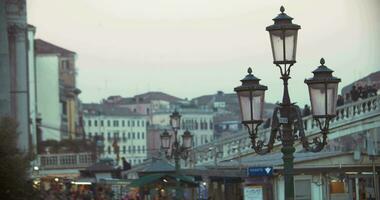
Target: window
(138, 135)
(124, 149)
(124, 137)
(142, 123)
(138, 123)
(109, 149)
(115, 123)
(133, 149)
(123, 123)
(138, 149)
(95, 123)
(101, 123)
(89, 123)
(108, 136)
(142, 135)
(133, 123)
(116, 135)
(302, 189)
(102, 134)
(143, 149)
(108, 123)
(211, 125)
(90, 135)
(133, 135)
(129, 123)
(129, 149)
(129, 135)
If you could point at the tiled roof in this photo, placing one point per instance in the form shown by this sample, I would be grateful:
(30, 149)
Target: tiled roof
(107, 109)
(100, 167)
(43, 47)
(159, 166)
(149, 96)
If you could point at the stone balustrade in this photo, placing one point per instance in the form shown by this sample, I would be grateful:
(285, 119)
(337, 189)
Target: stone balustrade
(65, 161)
(238, 144)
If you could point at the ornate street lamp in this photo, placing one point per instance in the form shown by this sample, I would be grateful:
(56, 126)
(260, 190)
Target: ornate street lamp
(177, 151)
(323, 89)
(165, 140)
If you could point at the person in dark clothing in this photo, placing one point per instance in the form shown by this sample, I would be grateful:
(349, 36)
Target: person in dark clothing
(372, 91)
(354, 93)
(348, 98)
(306, 111)
(340, 100)
(364, 92)
(126, 164)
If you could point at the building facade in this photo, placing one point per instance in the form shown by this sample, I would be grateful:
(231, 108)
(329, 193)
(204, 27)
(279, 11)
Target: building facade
(120, 132)
(56, 91)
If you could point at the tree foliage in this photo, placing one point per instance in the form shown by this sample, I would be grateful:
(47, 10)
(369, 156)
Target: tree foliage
(14, 165)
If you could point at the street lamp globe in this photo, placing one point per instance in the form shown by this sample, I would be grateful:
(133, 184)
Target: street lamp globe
(187, 139)
(283, 38)
(175, 120)
(165, 140)
(251, 99)
(323, 91)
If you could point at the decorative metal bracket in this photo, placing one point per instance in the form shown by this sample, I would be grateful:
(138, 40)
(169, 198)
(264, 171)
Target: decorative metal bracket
(258, 145)
(317, 144)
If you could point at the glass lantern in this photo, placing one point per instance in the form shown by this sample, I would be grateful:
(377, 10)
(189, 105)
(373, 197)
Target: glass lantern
(323, 91)
(187, 139)
(165, 140)
(251, 99)
(283, 37)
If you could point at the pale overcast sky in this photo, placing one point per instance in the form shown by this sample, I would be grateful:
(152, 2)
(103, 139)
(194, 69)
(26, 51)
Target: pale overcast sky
(191, 48)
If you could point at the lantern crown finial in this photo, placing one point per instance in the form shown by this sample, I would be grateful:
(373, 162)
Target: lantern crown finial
(249, 70)
(322, 61)
(282, 9)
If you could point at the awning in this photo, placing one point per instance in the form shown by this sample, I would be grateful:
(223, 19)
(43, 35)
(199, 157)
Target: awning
(153, 178)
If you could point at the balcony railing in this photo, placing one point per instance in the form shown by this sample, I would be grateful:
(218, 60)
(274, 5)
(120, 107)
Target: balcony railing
(65, 161)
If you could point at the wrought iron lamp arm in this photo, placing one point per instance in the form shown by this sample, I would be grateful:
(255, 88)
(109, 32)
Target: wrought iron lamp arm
(317, 144)
(258, 145)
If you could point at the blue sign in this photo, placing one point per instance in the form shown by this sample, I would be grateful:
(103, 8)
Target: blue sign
(260, 171)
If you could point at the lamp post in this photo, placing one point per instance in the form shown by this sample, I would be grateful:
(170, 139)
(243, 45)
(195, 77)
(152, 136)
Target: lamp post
(178, 151)
(323, 96)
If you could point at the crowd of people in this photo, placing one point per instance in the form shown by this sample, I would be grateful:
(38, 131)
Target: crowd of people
(359, 92)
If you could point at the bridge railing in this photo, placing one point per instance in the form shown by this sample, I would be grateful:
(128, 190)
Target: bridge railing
(65, 161)
(238, 144)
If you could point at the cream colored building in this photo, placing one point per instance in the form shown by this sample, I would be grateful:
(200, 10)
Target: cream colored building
(57, 94)
(118, 127)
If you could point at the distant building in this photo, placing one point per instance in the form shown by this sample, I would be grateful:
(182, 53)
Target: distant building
(123, 132)
(57, 94)
(146, 103)
(198, 121)
(227, 119)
